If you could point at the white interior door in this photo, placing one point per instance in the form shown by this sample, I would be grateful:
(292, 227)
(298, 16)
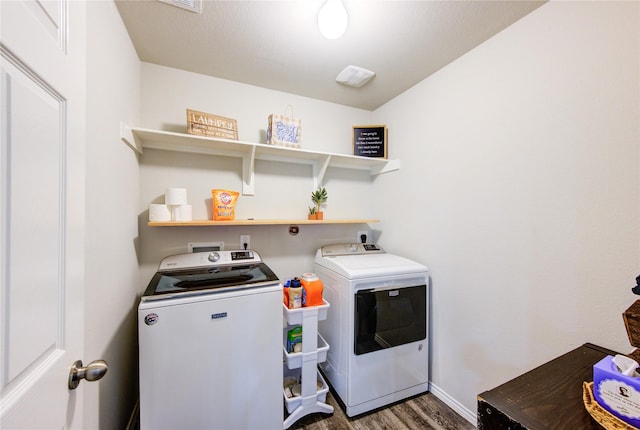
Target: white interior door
(42, 211)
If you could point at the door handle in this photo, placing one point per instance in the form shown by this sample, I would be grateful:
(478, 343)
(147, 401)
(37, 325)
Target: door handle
(94, 371)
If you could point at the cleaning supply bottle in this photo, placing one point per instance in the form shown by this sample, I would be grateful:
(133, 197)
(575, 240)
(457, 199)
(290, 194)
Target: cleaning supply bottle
(313, 289)
(295, 294)
(285, 293)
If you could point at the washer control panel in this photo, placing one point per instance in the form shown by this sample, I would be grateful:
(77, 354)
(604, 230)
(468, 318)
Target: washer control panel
(209, 259)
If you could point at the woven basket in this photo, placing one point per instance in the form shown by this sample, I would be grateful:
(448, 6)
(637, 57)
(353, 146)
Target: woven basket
(598, 413)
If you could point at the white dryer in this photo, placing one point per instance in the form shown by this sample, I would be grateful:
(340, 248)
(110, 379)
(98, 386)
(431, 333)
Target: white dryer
(377, 325)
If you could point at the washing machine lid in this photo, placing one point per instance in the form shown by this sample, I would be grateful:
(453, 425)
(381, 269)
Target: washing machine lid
(362, 265)
(205, 273)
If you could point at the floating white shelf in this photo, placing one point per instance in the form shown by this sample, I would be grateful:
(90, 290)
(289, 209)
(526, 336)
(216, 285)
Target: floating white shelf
(141, 138)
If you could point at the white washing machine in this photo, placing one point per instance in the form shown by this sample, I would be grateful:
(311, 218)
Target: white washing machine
(377, 325)
(210, 342)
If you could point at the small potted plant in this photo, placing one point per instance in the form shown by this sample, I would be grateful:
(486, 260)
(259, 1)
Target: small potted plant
(318, 197)
(312, 212)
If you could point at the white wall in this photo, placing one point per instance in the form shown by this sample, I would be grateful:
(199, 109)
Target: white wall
(282, 190)
(519, 186)
(519, 179)
(113, 95)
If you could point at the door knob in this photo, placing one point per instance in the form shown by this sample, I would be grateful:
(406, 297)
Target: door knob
(94, 371)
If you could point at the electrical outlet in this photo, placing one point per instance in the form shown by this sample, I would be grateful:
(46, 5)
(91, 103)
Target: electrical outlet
(367, 237)
(245, 241)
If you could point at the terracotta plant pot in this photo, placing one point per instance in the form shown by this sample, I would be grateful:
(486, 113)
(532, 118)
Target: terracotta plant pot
(312, 216)
(319, 215)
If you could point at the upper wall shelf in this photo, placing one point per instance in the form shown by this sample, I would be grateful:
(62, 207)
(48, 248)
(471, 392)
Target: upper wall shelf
(140, 138)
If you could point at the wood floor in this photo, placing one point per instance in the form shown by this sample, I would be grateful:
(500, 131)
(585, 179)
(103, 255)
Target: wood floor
(423, 412)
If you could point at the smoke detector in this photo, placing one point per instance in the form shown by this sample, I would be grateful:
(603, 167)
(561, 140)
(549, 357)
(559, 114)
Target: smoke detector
(355, 76)
(194, 6)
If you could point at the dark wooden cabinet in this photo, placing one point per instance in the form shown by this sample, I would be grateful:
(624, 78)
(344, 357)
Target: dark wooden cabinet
(547, 397)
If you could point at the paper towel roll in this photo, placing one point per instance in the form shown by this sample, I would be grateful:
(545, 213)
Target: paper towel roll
(182, 213)
(175, 196)
(159, 212)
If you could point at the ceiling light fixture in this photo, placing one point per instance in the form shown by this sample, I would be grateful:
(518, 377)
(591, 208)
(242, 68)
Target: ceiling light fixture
(333, 19)
(355, 76)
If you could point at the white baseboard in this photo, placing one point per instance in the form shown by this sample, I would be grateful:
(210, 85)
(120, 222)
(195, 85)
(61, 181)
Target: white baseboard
(453, 404)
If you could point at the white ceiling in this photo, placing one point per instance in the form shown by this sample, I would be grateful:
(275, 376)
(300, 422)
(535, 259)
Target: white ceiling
(277, 44)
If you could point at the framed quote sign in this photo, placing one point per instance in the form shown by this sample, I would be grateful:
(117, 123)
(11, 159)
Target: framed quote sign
(370, 141)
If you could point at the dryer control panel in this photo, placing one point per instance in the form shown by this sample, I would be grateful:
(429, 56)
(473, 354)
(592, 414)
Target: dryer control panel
(350, 249)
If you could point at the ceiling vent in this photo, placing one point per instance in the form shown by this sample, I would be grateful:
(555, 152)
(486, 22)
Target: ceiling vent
(190, 5)
(355, 76)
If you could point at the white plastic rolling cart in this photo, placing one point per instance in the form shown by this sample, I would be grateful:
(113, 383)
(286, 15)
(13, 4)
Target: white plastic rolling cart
(304, 364)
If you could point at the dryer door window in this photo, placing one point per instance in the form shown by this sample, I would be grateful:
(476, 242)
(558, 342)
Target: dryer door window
(388, 318)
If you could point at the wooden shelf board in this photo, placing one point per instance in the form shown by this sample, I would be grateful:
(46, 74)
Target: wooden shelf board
(210, 223)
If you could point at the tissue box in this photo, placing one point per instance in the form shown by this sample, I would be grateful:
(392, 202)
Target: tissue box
(617, 393)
